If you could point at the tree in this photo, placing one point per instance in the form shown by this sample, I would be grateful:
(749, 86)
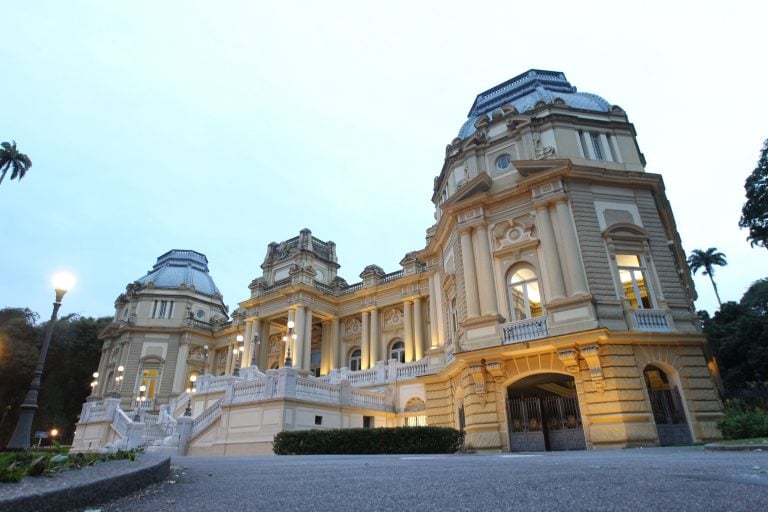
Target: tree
(707, 260)
(738, 338)
(15, 161)
(74, 355)
(754, 213)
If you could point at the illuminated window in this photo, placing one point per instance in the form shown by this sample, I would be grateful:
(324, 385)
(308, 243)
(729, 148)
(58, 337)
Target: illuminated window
(634, 280)
(416, 421)
(150, 379)
(397, 351)
(524, 295)
(354, 360)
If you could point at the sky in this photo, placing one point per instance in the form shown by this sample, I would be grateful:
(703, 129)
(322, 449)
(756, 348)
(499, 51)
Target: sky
(224, 126)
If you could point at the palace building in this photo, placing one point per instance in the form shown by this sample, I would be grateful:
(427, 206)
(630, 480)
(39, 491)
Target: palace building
(550, 309)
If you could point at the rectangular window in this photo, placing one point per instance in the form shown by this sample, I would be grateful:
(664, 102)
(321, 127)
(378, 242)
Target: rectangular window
(595, 138)
(367, 421)
(162, 309)
(416, 421)
(318, 420)
(634, 281)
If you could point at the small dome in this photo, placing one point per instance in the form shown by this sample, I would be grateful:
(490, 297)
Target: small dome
(179, 268)
(525, 91)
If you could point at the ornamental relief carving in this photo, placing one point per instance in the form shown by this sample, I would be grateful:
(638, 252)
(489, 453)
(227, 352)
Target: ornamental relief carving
(513, 232)
(275, 342)
(197, 354)
(352, 327)
(393, 317)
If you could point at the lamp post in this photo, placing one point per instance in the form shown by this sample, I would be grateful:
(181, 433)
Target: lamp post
(190, 391)
(290, 337)
(238, 349)
(54, 433)
(255, 349)
(20, 438)
(139, 401)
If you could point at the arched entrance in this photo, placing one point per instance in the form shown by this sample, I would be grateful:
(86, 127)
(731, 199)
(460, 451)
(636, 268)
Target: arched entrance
(667, 407)
(543, 413)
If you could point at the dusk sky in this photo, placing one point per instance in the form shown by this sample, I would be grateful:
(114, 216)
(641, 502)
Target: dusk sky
(223, 126)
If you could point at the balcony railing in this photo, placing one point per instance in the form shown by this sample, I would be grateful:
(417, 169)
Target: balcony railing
(524, 330)
(651, 320)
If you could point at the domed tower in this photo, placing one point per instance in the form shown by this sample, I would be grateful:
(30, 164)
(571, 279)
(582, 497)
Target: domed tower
(163, 323)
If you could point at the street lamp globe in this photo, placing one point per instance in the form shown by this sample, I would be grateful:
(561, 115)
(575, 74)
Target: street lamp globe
(63, 281)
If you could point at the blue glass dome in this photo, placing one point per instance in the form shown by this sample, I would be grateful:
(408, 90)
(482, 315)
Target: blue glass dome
(180, 268)
(524, 91)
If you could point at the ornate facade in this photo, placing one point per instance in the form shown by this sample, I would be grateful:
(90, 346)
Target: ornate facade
(551, 308)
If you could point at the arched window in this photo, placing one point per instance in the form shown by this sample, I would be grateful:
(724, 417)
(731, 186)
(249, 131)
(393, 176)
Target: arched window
(397, 351)
(524, 294)
(354, 360)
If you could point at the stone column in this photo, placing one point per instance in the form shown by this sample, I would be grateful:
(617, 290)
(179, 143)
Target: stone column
(229, 359)
(587, 139)
(103, 386)
(289, 342)
(375, 338)
(554, 283)
(408, 331)
(575, 269)
(255, 347)
(307, 357)
(325, 348)
(606, 148)
(418, 330)
(179, 376)
(247, 344)
(433, 334)
(470, 279)
(365, 342)
(297, 348)
(485, 281)
(336, 344)
(263, 351)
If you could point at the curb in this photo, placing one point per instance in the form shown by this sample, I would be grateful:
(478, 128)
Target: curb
(81, 488)
(736, 448)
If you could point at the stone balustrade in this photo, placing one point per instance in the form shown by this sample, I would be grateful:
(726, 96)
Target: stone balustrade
(524, 330)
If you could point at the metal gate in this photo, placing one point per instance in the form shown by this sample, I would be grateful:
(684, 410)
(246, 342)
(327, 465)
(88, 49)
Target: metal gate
(550, 423)
(670, 417)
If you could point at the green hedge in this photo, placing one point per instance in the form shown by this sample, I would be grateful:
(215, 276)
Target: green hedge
(368, 441)
(743, 422)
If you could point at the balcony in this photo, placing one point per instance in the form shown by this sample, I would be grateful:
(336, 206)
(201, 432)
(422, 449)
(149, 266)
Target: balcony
(524, 330)
(651, 320)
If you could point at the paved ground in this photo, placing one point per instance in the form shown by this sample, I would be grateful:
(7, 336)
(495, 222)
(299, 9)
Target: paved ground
(679, 479)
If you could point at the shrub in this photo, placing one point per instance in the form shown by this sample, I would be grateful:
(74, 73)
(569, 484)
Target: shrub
(16, 465)
(368, 441)
(742, 422)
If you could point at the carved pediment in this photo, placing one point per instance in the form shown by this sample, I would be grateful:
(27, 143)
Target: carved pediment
(514, 232)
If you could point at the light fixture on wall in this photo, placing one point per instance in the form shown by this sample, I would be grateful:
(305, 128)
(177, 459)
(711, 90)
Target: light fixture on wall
(20, 440)
(290, 337)
(238, 350)
(118, 382)
(94, 383)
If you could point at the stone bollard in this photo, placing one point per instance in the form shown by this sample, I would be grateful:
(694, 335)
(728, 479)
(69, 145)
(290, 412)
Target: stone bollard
(184, 431)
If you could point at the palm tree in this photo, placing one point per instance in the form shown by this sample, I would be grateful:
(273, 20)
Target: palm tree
(11, 158)
(707, 260)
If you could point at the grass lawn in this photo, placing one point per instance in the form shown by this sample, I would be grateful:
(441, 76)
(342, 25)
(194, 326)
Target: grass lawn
(754, 440)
